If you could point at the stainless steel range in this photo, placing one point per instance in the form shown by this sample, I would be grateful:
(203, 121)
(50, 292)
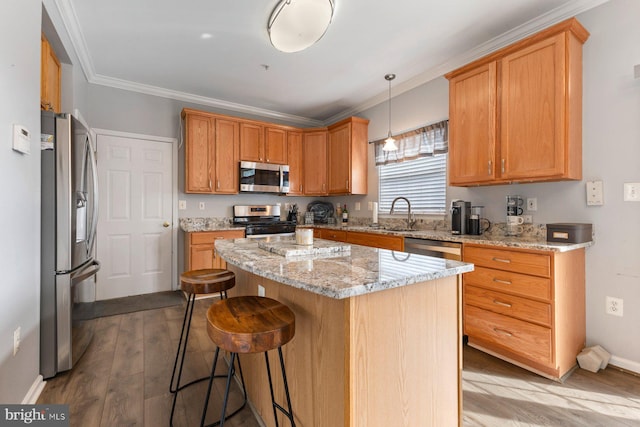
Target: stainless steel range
(262, 221)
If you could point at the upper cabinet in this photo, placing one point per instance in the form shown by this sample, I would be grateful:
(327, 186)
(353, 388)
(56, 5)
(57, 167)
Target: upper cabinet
(296, 163)
(314, 154)
(347, 156)
(516, 115)
(49, 77)
(266, 144)
(211, 153)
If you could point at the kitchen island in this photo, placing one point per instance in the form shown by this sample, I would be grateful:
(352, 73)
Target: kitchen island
(378, 334)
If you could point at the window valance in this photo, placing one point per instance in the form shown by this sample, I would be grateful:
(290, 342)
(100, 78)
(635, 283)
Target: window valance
(422, 142)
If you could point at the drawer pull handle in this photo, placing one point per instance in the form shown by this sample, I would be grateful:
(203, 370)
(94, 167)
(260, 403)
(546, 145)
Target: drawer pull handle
(506, 261)
(504, 304)
(502, 332)
(505, 282)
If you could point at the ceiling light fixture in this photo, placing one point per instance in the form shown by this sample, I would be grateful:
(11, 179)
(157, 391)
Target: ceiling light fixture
(389, 143)
(294, 25)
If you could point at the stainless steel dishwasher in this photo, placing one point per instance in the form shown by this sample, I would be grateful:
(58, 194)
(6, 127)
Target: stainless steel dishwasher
(434, 248)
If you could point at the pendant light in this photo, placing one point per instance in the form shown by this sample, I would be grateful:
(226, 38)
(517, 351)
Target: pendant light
(389, 143)
(295, 25)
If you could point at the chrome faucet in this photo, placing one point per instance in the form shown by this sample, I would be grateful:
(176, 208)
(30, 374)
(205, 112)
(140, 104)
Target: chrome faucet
(410, 218)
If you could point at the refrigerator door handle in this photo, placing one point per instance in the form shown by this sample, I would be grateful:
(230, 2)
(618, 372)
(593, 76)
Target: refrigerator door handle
(94, 175)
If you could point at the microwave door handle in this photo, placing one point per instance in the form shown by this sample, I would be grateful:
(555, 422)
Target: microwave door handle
(281, 173)
(94, 175)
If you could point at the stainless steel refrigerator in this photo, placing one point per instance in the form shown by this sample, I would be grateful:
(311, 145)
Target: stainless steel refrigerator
(69, 208)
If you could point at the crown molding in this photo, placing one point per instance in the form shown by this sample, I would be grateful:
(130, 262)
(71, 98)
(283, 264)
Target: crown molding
(566, 11)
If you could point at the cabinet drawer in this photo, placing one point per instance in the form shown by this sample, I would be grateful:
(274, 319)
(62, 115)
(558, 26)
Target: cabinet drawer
(510, 305)
(204, 237)
(512, 283)
(526, 339)
(501, 259)
(337, 235)
(394, 243)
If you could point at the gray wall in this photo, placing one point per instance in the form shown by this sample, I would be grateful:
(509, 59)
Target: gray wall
(20, 213)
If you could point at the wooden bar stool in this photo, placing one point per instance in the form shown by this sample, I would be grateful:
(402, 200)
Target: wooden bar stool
(250, 324)
(197, 282)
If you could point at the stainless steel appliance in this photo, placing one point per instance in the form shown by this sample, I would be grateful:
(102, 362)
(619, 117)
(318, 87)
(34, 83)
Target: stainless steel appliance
(460, 212)
(434, 248)
(262, 221)
(263, 178)
(69, 207)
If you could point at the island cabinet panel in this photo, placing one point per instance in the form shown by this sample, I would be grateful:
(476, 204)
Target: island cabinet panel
(200, 248)
(516, 114)
(526, 306)
(388, 358)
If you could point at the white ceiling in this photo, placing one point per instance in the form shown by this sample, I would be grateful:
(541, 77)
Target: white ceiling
(154, 46)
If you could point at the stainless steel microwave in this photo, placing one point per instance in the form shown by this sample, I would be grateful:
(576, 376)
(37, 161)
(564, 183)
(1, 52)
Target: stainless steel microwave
(263, 178)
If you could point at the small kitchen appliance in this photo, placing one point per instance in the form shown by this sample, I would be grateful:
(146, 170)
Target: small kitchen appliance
(475, 224)
(262, 221)
(460, 213)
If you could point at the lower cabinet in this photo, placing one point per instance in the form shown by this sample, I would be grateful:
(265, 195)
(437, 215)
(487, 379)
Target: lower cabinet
(362, 238)
(526, 307)
(200, 248)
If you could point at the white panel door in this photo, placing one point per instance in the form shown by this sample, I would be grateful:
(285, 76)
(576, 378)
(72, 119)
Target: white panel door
(134, 243)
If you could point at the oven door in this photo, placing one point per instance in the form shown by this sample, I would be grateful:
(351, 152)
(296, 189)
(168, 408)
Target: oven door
(263, 178)
(270, 237)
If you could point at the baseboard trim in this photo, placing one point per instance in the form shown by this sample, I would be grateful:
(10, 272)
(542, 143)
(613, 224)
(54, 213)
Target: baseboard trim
(34, 391)
(626, 364)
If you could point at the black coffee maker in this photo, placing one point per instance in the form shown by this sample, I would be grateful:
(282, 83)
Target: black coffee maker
(460, 213)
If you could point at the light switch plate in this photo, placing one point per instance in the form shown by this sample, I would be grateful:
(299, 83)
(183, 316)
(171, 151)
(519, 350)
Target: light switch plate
(632, 191)
(595, 196)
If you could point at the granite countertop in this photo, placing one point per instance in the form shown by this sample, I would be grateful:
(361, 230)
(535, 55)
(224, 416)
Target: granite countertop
(524, 242)
(338, 275)
(191, 225)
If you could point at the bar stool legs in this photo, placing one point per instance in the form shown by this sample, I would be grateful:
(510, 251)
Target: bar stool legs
(276, 406)
(234, 358)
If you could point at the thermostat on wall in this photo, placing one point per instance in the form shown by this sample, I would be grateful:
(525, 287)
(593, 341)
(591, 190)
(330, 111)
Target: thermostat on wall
(21, 139)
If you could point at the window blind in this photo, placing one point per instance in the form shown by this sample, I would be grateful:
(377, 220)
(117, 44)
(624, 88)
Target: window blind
(423, 181)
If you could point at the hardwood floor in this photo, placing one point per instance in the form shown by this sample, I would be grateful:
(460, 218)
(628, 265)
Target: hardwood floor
(123, 380)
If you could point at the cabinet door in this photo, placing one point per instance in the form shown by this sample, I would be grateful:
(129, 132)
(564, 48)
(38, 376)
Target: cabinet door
(472, 126)
(314, 152)
(533, 111)
(251, 143)
(201, 256)
(339, 159)
(294, 156)
(275, 145)
(49, 77)
(226, 156)
(199, 140)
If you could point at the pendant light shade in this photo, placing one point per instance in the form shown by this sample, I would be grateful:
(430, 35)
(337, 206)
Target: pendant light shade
(389, 143)
(295, 25)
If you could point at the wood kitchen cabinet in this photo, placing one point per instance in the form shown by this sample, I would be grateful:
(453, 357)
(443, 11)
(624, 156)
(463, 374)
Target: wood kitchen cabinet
(516, 115)
(50, 72)
(211, 153)
(314, 153)
(296, 163)
(200, 248)
(526, 307)
(375, 240)
(347, 156)
(263, 144)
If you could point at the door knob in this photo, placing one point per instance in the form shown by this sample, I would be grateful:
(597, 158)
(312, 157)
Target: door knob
(166, 224)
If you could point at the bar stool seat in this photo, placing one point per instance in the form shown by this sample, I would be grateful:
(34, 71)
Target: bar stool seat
(193, 283)
(251, 324)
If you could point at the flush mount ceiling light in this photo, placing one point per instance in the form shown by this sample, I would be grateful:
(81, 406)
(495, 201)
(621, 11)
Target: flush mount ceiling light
(389, 143)
(294, 25)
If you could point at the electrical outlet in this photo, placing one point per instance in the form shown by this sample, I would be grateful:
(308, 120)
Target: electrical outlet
(357, 206)
(16, 340)
(528, 219)
(532, 204)
(201, 206)
(182, 204)
(614, 306)
(594, 193)
(260, 290)
(370, 206)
